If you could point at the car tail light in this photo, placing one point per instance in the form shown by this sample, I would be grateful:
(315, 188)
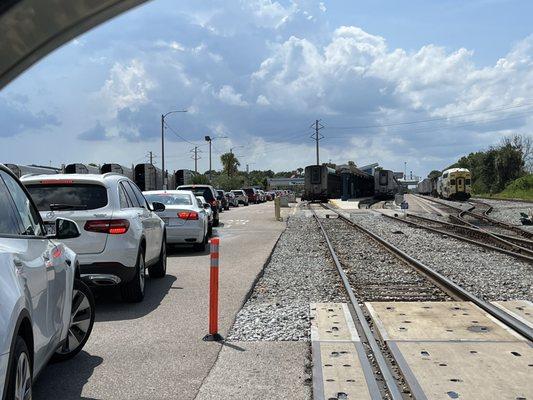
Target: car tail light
(110, 226)
(188, 215)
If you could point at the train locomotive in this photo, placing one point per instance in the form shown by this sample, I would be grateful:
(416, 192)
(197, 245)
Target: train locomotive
(455, 184)
(323, 183)
(385, 184)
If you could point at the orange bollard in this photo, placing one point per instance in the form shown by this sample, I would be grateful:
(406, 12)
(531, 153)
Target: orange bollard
(213, 334)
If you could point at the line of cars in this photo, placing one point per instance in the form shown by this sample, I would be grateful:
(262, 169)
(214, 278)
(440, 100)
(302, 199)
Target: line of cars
(62, 234)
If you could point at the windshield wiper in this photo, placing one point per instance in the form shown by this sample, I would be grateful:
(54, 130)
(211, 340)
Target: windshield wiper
(62, 206)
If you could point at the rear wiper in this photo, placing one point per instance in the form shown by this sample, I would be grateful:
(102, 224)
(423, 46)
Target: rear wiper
(61, 206)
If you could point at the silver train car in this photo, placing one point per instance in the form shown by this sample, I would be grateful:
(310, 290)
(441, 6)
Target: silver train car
(183, 177)
(321, 183)
(427, 187)
(148, 177)
(21, 170)
(117, 168)
(385, 184)
(78, 168)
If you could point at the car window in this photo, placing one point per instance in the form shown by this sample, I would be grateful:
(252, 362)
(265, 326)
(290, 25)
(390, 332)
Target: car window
(139, 195)
(27, 213)
(123, 197)
(68, 196)
(170, 199)
(9, 224)
(204, 192)
(131, 194)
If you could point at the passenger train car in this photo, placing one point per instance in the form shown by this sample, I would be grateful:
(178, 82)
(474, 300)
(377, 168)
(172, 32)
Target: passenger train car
(427, 186)
(385, 184)
(183, 177)
(148, 177)
(78, 168)
(323, 183)
(117, 168)
(455, 184)
(20, 170)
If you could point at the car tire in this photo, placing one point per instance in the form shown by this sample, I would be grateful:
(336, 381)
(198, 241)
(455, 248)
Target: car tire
(81, 322)
(216, 222)
(159, 269)
(226, 208)
(245, 204)
(133, 291)
(20, 364)
(210, 230)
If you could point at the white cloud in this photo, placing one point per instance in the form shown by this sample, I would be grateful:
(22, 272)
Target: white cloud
(262, 100)
(228, 95)
(127, 86)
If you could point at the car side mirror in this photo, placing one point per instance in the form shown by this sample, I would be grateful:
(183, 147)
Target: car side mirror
(65, 229)
(157, 206)
(207, 206)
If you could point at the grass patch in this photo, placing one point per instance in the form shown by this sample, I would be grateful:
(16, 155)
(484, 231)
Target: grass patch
(521, 188)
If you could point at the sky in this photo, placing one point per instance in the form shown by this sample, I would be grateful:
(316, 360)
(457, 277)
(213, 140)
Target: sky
(418, 82)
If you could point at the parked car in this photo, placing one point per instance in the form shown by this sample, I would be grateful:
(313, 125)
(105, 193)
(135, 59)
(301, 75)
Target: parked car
(241, 196)
(221, 197)
(46, 311)
(209, 194)
(253, 195)
(262, 196)
(122, 235)
(232, 200)
(186, 221)
(209, 211)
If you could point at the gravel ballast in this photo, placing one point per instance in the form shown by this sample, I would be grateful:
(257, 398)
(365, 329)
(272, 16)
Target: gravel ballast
(487, 274)
(299, 272)
(509, 211)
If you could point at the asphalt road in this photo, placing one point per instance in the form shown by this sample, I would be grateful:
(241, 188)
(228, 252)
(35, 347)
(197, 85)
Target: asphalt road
(154, 350)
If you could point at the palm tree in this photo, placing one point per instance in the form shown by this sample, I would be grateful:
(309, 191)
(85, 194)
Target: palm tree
(230, 163)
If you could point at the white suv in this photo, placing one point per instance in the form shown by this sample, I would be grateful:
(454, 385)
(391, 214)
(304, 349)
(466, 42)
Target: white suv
(121, 235)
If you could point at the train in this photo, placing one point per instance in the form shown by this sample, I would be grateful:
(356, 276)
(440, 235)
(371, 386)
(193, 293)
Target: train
(386, 186)
(119, 169)
(78, 168)
(455, 184)
(20, 170)
(183, 177)
(322, 183)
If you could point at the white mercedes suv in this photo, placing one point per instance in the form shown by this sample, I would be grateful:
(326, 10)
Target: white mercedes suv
(121, 234)
(45, 309)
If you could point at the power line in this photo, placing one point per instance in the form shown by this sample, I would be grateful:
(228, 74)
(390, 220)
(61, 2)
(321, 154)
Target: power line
(430, 119)
(317, 137)
(181, 137)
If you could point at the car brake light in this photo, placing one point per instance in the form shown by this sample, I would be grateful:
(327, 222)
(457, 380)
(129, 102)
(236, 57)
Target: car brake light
(56, 181)
(56, 252)
(110, 226)
(188, 215)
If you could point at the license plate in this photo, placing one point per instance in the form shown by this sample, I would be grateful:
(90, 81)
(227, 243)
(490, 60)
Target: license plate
(50, 228)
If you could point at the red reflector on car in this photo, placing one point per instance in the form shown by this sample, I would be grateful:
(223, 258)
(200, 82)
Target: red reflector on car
(56, 252)
(110, 226)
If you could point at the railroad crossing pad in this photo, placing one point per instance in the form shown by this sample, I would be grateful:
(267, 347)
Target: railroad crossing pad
(454, 350)
(520, 309)
(442, 321)
(340, 367)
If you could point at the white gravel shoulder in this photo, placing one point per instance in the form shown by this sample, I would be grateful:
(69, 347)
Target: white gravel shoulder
(299, 272)
(487, 274)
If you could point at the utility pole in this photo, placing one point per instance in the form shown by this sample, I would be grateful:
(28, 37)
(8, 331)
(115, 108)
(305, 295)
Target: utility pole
(317, 136)
(208, 139)
(151, 158)
(405, 170)
(196, 157)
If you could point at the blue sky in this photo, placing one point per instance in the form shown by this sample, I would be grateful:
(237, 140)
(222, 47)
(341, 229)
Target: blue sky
(257, 73)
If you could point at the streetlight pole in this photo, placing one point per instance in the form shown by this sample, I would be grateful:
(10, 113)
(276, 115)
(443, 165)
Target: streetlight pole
(163, 116)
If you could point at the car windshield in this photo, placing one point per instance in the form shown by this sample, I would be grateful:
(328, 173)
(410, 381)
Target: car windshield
(205, 192)
(169, 199)
(76, 196)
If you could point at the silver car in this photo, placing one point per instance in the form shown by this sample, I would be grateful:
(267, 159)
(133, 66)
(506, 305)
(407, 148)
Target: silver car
(46, 311)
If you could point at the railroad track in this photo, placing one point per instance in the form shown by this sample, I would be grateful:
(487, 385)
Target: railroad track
(431, 280)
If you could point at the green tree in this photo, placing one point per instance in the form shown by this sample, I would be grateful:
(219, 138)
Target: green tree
(200, 179)
(230, 163)
(434, 174)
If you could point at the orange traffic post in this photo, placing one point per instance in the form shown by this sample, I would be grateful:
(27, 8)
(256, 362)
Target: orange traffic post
(213, 334)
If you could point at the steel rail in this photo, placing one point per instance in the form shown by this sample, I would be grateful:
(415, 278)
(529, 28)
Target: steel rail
(459, 237)
(389, 379)
(451, 287)
(521, 252)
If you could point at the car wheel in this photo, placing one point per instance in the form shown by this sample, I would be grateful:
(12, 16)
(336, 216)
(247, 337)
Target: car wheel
(133, 291)
(210, 230)
(159, 269)
(81, 322)
(226, 208)
(20, 373)
(216, 222)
